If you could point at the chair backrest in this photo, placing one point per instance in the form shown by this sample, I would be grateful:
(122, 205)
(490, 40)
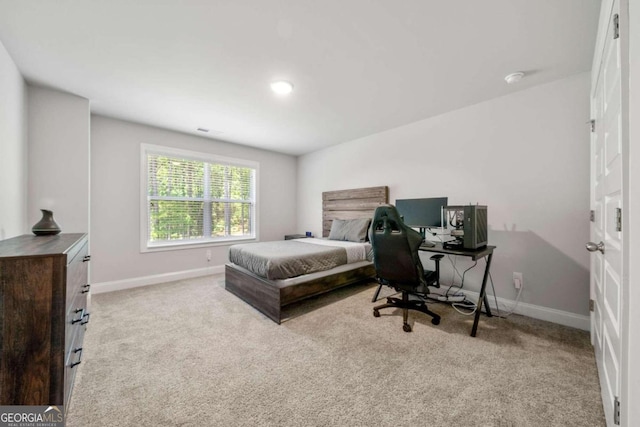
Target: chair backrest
(395, 249)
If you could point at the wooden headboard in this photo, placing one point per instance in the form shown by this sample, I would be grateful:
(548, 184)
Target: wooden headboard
(351, 204)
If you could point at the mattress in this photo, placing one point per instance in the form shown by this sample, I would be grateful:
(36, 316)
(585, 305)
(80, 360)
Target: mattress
(291, 258)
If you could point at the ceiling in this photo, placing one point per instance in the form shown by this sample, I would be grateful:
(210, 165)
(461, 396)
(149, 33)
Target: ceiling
(358, 67)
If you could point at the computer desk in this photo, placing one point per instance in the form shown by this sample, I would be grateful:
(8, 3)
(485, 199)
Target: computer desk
(474, 254)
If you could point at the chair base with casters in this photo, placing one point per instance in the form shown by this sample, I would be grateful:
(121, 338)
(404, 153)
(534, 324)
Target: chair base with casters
(435, 279)
(432, 278)
(418, 304)
(405, 304)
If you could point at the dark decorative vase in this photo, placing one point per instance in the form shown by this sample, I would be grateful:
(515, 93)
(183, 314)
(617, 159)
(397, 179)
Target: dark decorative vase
(46, 226)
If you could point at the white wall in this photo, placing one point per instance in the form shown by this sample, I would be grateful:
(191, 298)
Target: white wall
(525, 155)
(59, 158)
(115, 200)
(13, 149)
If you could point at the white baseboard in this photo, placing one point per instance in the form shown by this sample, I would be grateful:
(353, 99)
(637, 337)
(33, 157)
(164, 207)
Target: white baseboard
(118, 285)
(537, 312)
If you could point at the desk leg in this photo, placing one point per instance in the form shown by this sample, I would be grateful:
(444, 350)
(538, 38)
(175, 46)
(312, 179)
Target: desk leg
(482, 298)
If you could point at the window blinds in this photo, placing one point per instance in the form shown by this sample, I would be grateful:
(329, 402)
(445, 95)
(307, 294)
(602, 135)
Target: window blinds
(195, 200)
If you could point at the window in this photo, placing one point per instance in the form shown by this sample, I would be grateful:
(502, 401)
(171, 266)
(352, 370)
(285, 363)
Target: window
(195, 198)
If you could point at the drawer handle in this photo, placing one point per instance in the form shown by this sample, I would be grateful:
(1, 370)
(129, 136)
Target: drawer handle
(78, 351)
(85, 289)
(86, 258)
(79, 319)
(84, 322)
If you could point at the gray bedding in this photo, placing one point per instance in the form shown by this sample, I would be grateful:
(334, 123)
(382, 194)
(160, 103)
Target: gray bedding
(287, 258)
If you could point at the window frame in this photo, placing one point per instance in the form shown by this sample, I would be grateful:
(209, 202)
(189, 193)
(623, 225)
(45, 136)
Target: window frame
(145, 150)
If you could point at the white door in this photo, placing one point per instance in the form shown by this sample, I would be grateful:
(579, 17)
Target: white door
(606, 202)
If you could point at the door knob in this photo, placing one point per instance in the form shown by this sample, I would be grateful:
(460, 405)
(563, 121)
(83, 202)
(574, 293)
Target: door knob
(592, 247)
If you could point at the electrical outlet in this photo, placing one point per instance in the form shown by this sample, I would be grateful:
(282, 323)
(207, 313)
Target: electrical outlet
(208, 255)
(517, 280)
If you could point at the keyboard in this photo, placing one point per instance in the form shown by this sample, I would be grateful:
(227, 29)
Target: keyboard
(428, 244)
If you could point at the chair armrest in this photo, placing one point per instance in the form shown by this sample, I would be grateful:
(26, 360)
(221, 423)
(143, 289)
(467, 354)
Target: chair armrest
(437, 257)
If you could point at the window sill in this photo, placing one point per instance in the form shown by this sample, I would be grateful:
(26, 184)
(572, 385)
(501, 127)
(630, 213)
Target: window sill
(194, 245)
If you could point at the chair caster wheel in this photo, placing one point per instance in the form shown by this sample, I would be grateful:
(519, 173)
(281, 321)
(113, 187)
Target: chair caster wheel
(376, 313)
(406, 327)
(435, 321)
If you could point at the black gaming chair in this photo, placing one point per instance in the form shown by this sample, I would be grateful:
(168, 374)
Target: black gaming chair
(395, 257)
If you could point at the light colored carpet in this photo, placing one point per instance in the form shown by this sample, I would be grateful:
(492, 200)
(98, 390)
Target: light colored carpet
(189, 353)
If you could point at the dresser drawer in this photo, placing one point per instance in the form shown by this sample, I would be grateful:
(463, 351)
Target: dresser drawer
(73, 359)
(77, 318)
(77, 272)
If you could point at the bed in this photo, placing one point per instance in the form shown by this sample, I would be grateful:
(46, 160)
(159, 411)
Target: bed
(270, 283)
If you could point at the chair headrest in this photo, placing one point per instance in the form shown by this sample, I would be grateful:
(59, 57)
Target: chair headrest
(387, 219)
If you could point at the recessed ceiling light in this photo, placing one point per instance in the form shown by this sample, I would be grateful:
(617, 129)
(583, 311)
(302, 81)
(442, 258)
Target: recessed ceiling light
(514, 77)
(282, 87)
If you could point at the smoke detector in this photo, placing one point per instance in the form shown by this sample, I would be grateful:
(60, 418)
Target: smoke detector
(514, 77)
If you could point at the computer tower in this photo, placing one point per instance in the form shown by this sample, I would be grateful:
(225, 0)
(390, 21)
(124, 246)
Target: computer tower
(469, 224)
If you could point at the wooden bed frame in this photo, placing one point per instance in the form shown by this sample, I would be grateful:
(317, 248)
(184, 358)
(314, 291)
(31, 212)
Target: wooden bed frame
(267, 297)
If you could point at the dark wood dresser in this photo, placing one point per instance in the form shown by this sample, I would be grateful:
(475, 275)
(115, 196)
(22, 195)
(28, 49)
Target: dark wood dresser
(43, 310)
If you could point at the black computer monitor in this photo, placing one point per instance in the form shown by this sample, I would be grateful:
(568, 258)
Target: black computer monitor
(422, 213)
